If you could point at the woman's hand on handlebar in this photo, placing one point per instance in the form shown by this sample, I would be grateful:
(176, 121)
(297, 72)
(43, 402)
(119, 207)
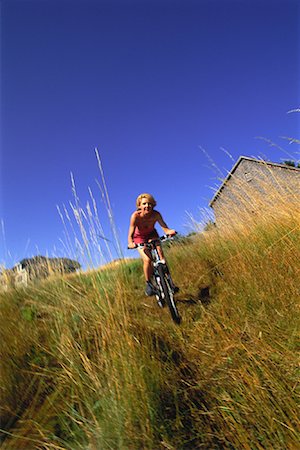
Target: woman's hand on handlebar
(132, 245)
(171, 233)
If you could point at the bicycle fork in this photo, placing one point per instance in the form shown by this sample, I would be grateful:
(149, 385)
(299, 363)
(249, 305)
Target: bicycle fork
(160, 293)
(159, 290)
(167, 274)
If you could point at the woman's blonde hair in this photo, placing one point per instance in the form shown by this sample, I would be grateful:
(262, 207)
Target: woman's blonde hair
(149, 197)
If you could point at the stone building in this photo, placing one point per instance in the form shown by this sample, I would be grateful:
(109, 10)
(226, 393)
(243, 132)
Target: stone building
(17, 277)
(20, 276)
(254, 187)
(4, 282)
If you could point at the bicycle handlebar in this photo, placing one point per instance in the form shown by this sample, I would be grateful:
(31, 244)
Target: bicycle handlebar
(165, 237)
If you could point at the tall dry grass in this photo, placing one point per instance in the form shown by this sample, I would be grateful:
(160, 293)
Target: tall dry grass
(90, 363)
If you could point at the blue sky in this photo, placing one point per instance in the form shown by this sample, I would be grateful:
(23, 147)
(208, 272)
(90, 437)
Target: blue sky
(147, 82)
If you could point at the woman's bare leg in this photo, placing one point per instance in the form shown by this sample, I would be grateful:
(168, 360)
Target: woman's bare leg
(160, 252)
(147, 263)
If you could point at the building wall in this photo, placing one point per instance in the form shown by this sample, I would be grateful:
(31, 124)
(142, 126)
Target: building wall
(254, 188)
(4, 283)
(13, 279)
(21, 278)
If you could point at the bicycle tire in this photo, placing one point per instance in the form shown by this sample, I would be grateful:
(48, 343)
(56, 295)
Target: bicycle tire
(168, 295)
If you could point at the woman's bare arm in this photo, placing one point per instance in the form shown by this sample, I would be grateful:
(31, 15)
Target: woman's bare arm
(132, 226)
(163, 224)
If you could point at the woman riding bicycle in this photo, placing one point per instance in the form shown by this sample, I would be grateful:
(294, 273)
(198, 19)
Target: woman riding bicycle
(141, 229)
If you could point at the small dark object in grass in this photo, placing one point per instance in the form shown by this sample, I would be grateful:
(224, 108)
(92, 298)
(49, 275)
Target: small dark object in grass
(204, 296)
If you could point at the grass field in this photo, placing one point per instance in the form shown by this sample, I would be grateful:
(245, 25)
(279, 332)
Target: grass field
(89, 362)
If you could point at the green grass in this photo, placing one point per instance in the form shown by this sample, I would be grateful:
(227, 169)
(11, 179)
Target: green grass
(87, 361)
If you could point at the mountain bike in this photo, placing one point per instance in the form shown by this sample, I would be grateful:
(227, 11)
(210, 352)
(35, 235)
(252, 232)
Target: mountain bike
(162, 280)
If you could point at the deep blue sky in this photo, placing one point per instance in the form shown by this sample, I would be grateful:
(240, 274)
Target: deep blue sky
(146, 82)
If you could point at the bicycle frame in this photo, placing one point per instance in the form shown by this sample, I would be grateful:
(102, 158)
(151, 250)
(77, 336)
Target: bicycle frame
(165, 287)
(156, 260)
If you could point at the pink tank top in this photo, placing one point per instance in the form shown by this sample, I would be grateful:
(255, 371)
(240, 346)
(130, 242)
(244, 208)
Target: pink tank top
(143, 235)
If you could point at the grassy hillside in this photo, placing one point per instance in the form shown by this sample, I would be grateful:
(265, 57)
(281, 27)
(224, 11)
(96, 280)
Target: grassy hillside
(88, 362)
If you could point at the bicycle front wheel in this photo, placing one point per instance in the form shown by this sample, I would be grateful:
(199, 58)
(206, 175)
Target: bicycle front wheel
(168, 295)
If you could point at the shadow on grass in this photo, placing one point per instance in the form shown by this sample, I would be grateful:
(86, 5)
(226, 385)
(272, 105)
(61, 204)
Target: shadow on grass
(203, 296)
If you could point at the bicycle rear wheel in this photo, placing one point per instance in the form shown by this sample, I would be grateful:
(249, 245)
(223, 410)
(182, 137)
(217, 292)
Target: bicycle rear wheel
(168, 295)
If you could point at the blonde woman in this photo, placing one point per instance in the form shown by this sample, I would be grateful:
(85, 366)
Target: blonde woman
(142, 229)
